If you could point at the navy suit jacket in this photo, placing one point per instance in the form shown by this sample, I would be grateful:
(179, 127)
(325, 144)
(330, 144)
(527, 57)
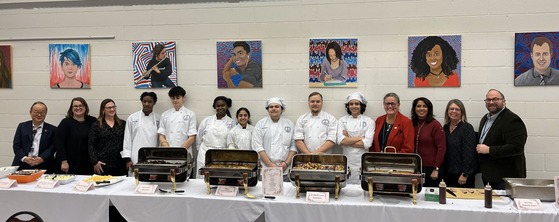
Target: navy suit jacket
(23, 140)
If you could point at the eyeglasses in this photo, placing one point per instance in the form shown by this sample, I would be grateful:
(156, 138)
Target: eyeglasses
(390, 104)
(39, 113)
(492, 100)
(454, 109)
(78, 106)
(110, 107)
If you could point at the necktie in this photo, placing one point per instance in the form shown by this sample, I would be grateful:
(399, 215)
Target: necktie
(542, 80)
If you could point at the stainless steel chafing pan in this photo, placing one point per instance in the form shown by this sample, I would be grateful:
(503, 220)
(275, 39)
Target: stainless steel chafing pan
(543, 189)
(324, 172)
(391, 173)
(231, 167)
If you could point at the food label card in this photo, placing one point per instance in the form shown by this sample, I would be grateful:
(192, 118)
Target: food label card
(318, 197)
(227, 191)
(83, 186)
(528, 204)
(7, 183)
(146, 189)
(47, 184)
(272, 181)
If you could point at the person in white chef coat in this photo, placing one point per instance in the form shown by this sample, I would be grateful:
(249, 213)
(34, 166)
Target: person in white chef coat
(178, 124)
(241, 135)
(315, 131)
(355, 133)
(141, 129)
(272, 137)
(213, 130)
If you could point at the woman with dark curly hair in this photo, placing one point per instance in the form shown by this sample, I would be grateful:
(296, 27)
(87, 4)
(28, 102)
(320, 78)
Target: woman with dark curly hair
(433, 62)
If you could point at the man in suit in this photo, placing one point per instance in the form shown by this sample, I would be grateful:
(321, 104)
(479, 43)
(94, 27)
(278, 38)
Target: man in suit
(34, 140)
(502, 136)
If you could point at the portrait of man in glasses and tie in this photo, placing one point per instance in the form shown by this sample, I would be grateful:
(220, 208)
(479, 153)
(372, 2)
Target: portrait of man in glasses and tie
(541, 54)
(34, 140)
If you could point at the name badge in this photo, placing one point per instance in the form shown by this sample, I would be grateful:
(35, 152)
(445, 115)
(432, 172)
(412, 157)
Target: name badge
(47, 184)
(7, 183)
(318, 197)
(83, 186)
(146, 189)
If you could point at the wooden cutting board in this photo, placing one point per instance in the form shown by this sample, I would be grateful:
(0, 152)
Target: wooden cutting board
(469, 193)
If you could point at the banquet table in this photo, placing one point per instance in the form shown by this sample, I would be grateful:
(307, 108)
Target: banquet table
(194, 204)
(353, 205)
(62, 203)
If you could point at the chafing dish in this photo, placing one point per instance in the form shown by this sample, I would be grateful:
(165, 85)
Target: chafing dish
(231, 167)
(391, 173)
(530, 188)
(323, 172)
(158, 164)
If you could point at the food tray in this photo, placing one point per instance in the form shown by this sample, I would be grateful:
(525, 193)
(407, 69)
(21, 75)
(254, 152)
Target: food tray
(391, 173)
(156, 163)
(543, 189)
(62, 178)
(5, 171)
(31, 176)
(231, 167)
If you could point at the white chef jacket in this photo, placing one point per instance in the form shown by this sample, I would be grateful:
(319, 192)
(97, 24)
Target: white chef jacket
(177, 126)
(140, 131)
(276, 139)
(362, 126)
(212, 134)
(316, 130)
(240, 137)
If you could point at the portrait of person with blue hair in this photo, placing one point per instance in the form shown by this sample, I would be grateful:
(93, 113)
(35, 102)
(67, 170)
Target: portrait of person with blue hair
(70, 64)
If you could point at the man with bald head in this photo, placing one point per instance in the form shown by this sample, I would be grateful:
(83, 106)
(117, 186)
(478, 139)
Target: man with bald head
(502, 136)
(34, 140)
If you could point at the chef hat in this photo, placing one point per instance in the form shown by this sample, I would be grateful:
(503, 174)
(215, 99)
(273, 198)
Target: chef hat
(276, 100)
(357, 96)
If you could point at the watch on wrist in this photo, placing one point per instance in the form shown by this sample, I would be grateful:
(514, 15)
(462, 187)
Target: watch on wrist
(465, 175)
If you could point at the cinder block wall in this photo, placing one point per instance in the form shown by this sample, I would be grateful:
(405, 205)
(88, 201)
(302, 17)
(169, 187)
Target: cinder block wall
(284, 27)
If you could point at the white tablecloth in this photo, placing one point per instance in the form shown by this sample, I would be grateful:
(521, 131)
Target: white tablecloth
(59, 204)
(354, 205)
(63, 202)
(193, 205)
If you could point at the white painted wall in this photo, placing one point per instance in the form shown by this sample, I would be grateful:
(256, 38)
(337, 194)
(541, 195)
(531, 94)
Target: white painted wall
(382, 27)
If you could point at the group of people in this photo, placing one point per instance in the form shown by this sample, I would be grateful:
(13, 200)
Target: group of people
(82, 144)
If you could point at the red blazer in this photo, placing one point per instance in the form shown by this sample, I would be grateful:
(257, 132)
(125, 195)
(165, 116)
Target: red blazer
(401, 135)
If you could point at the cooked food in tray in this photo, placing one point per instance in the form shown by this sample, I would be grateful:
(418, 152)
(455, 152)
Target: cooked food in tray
(162, 162)
(230, 165)
(98, 178)
(319, 166)
(25, 172)
(63, 178)
(386, 170)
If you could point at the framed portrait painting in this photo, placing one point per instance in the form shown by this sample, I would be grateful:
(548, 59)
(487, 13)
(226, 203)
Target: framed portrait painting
(5, 66)
(70, 66)
(535, 60)
(239, 64)
(154, 64)
(333, 63)
(434, 61)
